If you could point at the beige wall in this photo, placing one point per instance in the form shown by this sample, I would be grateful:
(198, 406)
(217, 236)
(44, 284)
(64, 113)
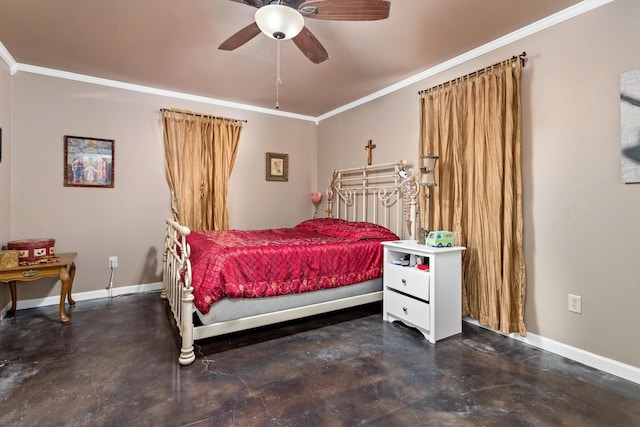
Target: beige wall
(581, 232)
(128, 220)
(5, 165)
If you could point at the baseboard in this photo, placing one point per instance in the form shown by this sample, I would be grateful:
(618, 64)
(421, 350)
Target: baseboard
(613, 367)
(82, 296)
(619, 369)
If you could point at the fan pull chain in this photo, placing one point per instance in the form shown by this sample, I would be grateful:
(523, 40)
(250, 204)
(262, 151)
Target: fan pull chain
(278, 81)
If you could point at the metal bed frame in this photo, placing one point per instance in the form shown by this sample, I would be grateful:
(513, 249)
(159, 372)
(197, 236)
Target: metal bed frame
(384, 194)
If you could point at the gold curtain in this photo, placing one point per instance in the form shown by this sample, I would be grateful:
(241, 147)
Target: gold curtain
(473, 124)
(200, 151)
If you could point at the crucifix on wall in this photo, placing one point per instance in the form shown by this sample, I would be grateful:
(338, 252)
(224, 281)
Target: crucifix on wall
(370, 146)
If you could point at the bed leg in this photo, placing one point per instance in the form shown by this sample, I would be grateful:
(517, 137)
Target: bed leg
(165, 265)
(187, 355)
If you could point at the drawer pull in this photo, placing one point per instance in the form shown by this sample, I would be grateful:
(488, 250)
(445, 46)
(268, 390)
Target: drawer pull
(404, 282)
(29, 273)
(404, 309)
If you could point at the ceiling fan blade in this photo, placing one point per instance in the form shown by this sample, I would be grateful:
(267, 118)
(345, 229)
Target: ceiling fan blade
(346, 10)
(254, 3)
(311, 46)
(241, 37)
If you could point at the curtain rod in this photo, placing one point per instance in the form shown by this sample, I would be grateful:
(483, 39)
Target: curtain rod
(522, 57)
(191, 113)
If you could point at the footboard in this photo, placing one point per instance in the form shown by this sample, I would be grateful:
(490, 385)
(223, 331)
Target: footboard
(176, 285)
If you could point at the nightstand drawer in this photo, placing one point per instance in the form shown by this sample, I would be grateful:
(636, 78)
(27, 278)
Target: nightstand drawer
(407, 309)
(407, 280)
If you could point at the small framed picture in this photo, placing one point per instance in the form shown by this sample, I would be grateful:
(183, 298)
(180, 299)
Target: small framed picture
(277, 167)
(88, 162)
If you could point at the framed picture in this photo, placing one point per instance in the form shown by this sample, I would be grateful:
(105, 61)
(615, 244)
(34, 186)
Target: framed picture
(88, 162)
(277, 167)
(630, 125)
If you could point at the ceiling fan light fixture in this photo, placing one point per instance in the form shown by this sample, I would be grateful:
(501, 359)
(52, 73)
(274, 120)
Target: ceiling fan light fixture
(279, 22)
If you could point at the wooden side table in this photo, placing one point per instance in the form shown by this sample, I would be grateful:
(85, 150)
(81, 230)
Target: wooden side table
(64, 268)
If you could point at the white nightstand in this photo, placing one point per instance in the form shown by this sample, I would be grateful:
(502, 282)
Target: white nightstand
(429, 300)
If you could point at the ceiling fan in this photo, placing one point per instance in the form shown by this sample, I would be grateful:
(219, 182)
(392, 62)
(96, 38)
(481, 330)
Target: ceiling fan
(284, 19)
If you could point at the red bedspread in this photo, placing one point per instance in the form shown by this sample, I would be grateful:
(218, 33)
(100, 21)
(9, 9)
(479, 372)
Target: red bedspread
(239, 264)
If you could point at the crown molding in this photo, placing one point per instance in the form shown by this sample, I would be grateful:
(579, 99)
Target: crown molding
(557, 18)
(155, 91)
(8, 59)
(571, 12)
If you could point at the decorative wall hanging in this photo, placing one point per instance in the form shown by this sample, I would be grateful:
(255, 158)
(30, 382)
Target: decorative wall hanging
(369, 148)
(630, 125)
(277, 167)
(88, 162)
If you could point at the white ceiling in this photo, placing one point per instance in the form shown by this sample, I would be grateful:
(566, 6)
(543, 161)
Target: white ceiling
(173, 45)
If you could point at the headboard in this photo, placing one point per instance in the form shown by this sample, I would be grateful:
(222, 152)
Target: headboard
(384, 194)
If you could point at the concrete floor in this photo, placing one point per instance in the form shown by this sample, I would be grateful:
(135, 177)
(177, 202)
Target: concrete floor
(115, 364)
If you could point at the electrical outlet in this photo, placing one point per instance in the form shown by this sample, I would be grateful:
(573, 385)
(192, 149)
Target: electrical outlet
(575, 303)
(113, 262)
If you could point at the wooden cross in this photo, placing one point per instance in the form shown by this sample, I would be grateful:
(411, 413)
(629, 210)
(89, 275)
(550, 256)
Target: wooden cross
(370, 146)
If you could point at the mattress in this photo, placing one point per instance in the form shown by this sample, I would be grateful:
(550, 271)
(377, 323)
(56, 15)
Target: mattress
(237, 308)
